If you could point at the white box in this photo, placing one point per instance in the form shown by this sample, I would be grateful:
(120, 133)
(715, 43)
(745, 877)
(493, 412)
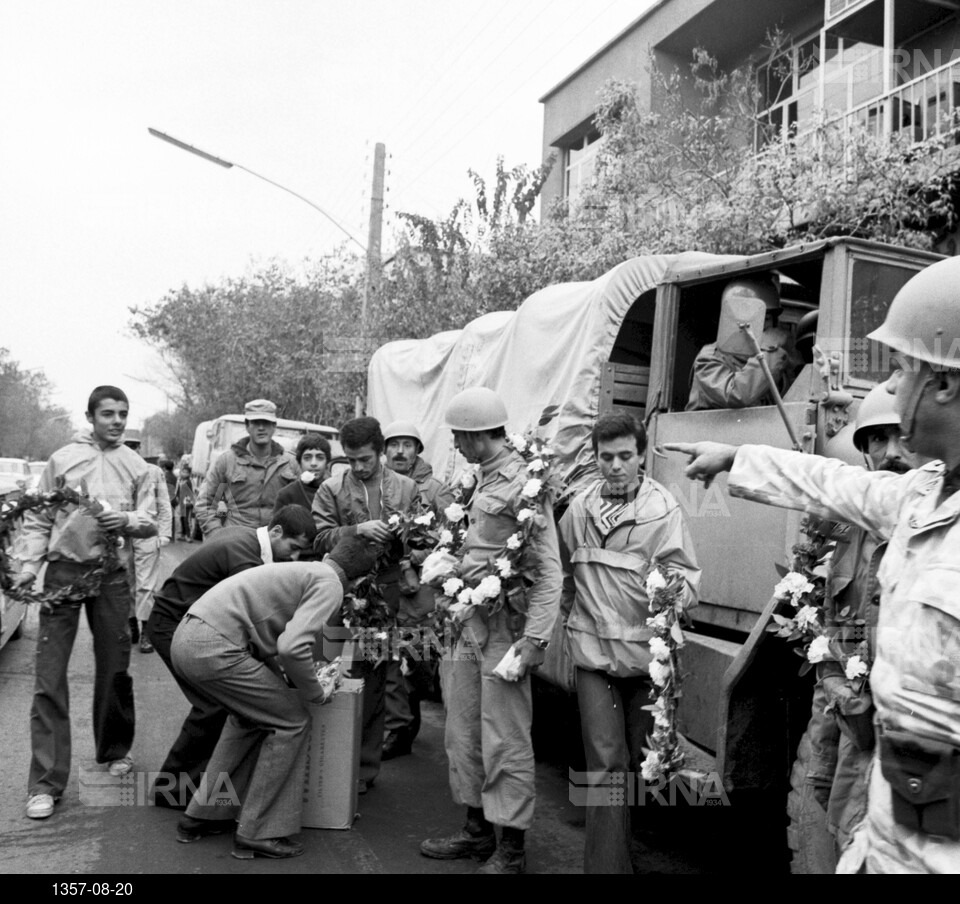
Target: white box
(333, 760)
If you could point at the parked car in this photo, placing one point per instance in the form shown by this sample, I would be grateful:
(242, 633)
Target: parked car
(36, 469)
(14, 477)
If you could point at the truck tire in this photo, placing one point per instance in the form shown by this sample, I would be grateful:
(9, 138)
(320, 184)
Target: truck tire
(812, 846)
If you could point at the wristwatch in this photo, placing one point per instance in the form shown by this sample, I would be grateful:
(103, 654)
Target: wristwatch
(539, 644)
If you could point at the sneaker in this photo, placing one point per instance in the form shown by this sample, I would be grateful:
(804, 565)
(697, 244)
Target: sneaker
(121, 766)
(40, 806)
(145, 645)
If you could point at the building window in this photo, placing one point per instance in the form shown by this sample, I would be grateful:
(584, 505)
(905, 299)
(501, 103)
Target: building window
(579, 161)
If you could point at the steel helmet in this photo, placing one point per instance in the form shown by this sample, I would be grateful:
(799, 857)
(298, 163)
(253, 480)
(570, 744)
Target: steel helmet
(878, 409)
(841, 446)
(924, 317)
(761, 289)
(402, 428)
(477, 408)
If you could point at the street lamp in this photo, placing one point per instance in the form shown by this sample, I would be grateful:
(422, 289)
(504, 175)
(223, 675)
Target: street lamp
(226, 164)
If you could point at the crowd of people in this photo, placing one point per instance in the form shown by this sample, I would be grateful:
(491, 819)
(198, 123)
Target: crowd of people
(239, 622)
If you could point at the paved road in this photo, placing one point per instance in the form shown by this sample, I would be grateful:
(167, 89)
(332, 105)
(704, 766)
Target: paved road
(410, 801)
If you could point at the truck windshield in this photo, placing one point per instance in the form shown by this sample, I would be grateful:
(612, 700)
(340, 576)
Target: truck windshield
(873, 285)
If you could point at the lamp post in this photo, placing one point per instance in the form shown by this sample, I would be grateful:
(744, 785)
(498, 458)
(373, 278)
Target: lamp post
(226, 164)
(371, 254)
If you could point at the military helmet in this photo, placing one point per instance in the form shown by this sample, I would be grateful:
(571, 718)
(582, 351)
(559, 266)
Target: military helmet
(397, 429)
(841, 446)
(761, 289)
(878, 409)
(924, 317)
(477, 408)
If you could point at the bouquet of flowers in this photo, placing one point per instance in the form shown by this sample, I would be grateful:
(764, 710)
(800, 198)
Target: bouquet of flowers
(665, 593)
(803, 589)
(509, 573)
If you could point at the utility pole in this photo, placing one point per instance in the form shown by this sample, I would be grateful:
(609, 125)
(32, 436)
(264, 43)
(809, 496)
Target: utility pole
(374, 236)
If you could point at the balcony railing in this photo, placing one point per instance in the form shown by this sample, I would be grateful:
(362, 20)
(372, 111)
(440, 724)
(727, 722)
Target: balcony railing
(927, 107)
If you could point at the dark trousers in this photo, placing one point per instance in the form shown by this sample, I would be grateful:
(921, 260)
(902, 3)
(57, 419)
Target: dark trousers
(614, 726)
(113, 713)
(191, 751)
(374, 715)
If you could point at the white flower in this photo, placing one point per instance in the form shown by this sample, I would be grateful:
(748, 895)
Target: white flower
(650, 768)
(446, 538)
(514, 541)
(535, 466)
(393, 520)
(454, 512)
(807, 617)
(661, 720)
(531, 489)
(465, 597)
(504, 567)
(819, 649)
(307, 476)
(655, 582)
(452, 587)
(793, 585)
(525, 514)
(359, 605)
(426, 520)
(855, 668)
(468, 478)
(659, 649)
(439, 564)
(380, 635)
(659, 673)
(518, 442)
(487, 589)
(658, 622)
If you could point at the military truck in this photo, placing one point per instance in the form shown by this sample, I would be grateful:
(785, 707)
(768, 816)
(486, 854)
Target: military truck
(627, 341)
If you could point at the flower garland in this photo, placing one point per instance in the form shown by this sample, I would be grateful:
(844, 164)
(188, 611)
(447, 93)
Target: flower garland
(804, 588)
(665, 591)
(61, 496)
(508, 574)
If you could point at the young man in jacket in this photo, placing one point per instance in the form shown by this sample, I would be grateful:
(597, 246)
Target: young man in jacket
(611, 536)
(242, 486)
(358, 503)
(71, 541)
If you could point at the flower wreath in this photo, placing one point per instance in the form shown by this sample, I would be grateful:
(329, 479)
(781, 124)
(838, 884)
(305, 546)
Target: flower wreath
(665, 592)
(509, 574)
(61, 496)
(803, 586)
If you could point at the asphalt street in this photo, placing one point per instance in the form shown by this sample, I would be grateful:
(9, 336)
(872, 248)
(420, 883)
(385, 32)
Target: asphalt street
(410, 801)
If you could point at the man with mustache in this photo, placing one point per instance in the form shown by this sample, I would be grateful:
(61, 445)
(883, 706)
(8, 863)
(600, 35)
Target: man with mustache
(404, 692)
(833, 796)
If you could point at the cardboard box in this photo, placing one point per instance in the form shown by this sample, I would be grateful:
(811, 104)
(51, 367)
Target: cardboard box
(333, 760)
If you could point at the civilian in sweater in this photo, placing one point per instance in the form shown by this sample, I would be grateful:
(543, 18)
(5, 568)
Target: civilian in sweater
(228, 552)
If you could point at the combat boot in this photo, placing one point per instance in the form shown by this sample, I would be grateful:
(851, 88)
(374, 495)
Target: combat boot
(476, 839)
(508, 859)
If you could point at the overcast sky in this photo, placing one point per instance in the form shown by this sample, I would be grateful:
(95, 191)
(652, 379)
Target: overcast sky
(96, 215)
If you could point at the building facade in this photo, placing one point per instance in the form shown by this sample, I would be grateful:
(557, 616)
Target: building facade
(892, 66)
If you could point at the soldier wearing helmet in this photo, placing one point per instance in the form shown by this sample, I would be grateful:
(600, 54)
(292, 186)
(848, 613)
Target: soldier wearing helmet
(488, 728)
(728, 374)
(912, 823)
(832, 799)
(404, 691)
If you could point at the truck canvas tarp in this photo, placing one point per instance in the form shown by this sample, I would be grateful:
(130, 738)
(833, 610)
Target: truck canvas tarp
(553, 350)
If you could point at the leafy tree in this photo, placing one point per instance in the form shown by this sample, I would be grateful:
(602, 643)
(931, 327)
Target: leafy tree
(33, 428)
